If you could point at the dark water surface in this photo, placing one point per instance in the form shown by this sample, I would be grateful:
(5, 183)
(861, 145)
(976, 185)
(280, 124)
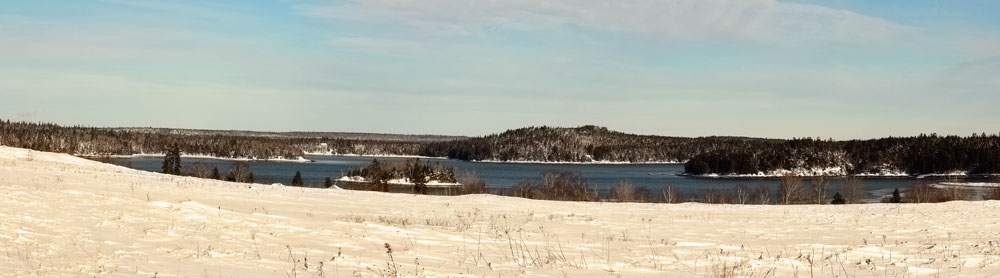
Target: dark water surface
(501, 175)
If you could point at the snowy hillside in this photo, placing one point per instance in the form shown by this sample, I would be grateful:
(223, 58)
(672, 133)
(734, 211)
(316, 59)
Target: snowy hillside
(65, 216)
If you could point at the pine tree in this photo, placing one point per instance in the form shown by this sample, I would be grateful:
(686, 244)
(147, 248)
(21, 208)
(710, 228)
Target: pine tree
(838, 199)
(215, 174)
(250, 178)
(896, 198)
(297, 180)
(418, 176)
(172, 161)
(328, 182)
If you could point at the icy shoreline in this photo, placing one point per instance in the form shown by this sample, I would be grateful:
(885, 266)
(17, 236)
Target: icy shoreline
(596, 162)
(837, 172)
(373, 155)
(403, 181)
(201, 156)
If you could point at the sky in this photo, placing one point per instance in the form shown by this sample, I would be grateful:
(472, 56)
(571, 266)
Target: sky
(839, 69)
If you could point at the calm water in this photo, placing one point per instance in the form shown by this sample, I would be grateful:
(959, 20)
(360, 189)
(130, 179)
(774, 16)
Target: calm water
(499, 175)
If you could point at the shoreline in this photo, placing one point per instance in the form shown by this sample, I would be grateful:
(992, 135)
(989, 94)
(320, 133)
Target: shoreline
(886, 176)
(578, 163)
(378, 155)
(197, 156)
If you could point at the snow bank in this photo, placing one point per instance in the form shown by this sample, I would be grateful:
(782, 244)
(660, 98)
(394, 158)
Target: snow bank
(403, 181)
(577, 162)
(329, 153)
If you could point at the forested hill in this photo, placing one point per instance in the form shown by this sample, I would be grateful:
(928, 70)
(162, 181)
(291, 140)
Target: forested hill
(581, 144)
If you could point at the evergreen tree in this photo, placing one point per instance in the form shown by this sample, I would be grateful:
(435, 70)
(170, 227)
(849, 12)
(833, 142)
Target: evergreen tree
(328, 182)
(250, 178)
(896, 198)
(418, 176)
(838, 199)
(297, 180)
(172, 161)
(215, 174)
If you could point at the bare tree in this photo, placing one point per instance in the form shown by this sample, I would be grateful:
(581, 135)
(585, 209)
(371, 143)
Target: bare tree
(854, 190)
(789, 189)
(199, 169)
(761, 195)
(820, 184)
(742, 194)
(921, 192)
(239, 172)
(709, 195)
(671, 195)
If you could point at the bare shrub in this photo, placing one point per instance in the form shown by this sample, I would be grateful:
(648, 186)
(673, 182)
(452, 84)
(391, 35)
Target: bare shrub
(671, 195)
(742, 194)
(471, 183)
(622, 191)
(761, 195)
(853, 189)
(523, 189)
(923, 192)
(643, 194)
(742, 268)
(565, 186)
(199, 169)
(715, 196)
(993, 193)
(790, 189)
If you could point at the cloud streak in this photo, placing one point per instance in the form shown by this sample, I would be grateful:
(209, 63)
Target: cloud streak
(765, 21)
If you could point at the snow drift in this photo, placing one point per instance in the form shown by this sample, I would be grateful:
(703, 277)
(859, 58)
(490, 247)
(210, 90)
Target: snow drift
(65, 216)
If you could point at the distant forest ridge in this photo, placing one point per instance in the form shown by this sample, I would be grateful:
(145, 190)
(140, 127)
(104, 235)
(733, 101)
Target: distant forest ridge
(978, 154)
(295, 134)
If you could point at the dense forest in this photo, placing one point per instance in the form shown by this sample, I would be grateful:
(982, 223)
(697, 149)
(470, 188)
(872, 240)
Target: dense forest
(582, 144)
(923, 154)
(90, 141)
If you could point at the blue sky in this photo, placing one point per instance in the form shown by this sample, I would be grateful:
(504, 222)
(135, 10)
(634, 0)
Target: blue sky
(841, 69)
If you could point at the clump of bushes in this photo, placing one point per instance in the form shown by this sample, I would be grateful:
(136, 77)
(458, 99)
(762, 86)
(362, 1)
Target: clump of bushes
(555, 185)
(623, 191)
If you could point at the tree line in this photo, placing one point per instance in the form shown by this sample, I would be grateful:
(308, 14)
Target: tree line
(978, 154)
(917, 155)
(90, 141)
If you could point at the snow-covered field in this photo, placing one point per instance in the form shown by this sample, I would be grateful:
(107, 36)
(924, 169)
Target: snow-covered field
(65, 216)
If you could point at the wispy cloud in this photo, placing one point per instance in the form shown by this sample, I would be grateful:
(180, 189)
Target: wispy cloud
(751, 20)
